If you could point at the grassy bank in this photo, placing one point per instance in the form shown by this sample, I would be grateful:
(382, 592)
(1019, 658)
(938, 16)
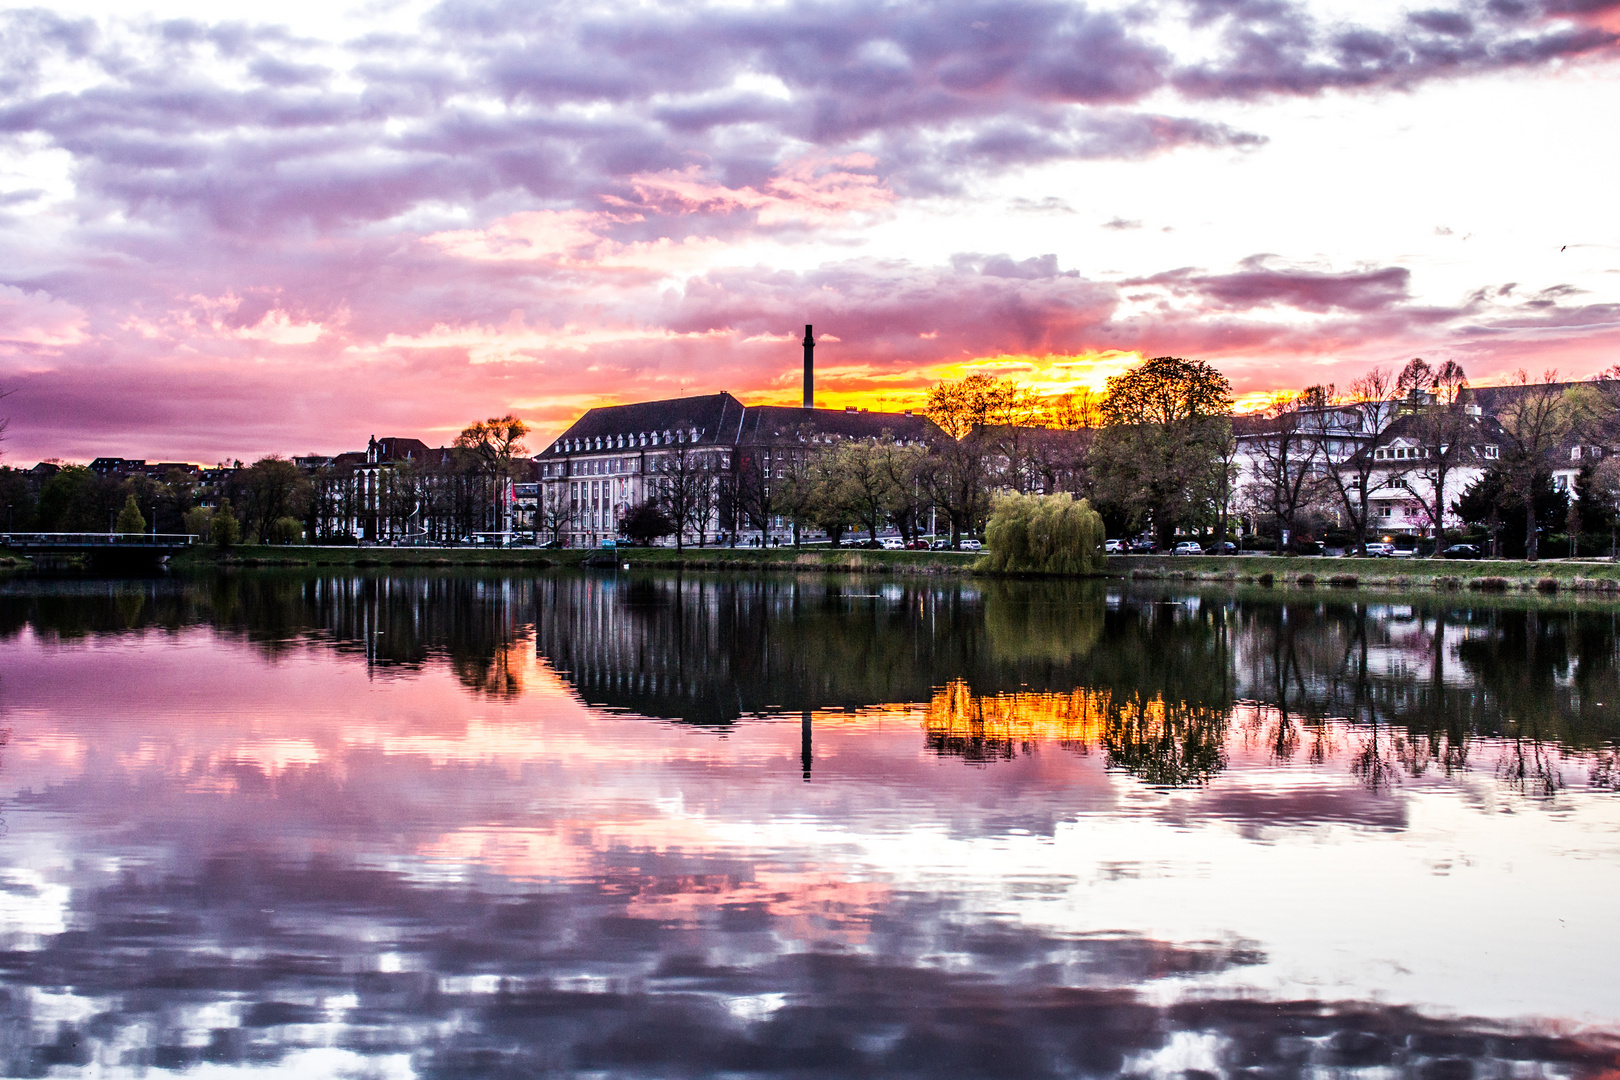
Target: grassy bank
(1485, 575)
(692, 558)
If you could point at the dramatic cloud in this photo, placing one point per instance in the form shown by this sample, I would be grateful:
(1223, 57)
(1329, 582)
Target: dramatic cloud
(512, 206)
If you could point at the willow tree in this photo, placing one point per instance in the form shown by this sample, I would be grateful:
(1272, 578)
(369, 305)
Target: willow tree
(1048, 534)
(1158, 456)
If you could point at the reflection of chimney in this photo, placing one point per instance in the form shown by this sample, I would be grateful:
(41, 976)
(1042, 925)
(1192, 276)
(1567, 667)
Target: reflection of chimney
(809, 369)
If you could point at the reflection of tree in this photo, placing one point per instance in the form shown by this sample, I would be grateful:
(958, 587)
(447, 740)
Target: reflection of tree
(405, 620)
(999, 727)
(709, 649)
(1527, 767)
(1170, 744)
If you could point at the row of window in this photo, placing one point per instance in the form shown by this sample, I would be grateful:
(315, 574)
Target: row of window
(624, 442)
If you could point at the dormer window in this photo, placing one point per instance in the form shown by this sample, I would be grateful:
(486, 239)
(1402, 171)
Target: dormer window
(1492, 452)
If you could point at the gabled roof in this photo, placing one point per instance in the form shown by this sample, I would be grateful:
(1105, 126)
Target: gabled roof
(769, 423)
(715, 417)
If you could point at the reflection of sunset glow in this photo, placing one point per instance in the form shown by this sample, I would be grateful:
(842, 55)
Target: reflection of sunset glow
(1074, 718)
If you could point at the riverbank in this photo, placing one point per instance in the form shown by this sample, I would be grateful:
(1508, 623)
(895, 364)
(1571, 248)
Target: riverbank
(691, 558)
(1482, 575)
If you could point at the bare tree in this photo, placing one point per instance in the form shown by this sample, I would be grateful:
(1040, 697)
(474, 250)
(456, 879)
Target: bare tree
(1347, 434)
(493, 444)
(1286, 476)
(1534, 421)
(687, 484)
(555, 512)
(1446, 435)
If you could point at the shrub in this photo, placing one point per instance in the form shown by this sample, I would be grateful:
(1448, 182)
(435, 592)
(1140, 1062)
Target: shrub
(196, 522)
(1446, 582)
(1305, 579)
(1547, 585)
(223, 529)
(130, 519)
(1050, 534)
(1265, 579)
(286, 530)
(1344, 581)
(1489, 584)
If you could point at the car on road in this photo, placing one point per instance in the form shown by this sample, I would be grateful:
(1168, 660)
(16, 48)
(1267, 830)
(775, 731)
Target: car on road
(1188, 547)
(1379, 550)
(893, 543)
(971, 545)
(1141, 547)
(1114, 547)
(1461, 551)
(1225, 547)
(1403, 553)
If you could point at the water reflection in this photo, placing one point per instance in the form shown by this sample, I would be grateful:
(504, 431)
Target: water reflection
(486, 826)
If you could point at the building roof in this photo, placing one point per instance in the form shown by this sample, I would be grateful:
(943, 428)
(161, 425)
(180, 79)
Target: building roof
(767, 423)
(715, 418)
(722, 420)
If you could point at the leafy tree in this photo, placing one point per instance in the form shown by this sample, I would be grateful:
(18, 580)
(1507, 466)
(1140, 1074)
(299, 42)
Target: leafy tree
(223, 528)
(286, 530)
(1051, 534)
(77, 500)
(16, 499)
(979, 401)
(645, 522)
(957, 479)
(832, 507)
(1159, 454)
(795, 486)
(197, 522)
(129, 518)
(858, 468)
(272, 488)
(1494, 502)
(907, 498)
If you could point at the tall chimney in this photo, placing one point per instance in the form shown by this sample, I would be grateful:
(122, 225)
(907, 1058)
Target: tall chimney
(809, 369)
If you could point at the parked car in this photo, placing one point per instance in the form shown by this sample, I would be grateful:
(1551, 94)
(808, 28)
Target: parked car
(893, 543)
(1188, 547)
(1225, 547)
(1141, 547)
(940, 545)
(1461, 551)
(971, 545)
(1114, 547)
(1380, 550)
(917, 545)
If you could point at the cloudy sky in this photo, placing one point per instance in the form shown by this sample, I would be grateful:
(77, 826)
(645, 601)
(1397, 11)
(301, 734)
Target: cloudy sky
(228, 237)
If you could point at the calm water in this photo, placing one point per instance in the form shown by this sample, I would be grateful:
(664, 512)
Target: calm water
(675, 826)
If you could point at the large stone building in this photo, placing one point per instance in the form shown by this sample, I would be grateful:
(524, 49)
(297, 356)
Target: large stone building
(696, 454)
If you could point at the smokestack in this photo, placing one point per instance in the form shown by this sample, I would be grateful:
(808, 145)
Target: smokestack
(809, 369)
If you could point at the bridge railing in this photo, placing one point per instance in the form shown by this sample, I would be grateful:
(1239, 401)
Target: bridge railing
(95, 540)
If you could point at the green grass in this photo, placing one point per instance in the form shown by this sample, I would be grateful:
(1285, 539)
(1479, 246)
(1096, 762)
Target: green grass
(1398, 573)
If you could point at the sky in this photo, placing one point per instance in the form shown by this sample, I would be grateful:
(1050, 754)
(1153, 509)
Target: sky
(228, 237)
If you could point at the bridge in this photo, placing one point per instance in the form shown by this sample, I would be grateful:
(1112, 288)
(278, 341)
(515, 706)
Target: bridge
(108, 550)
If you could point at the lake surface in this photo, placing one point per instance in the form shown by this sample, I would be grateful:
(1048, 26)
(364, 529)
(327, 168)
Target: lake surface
(446, 825)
